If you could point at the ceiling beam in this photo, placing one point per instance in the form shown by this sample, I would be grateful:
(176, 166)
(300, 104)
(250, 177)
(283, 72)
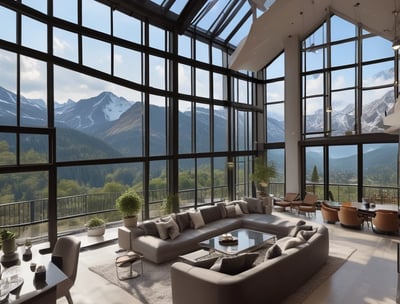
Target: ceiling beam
(188, 13)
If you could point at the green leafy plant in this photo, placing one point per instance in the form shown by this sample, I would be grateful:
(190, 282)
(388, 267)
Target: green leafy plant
(129, 203)
(95, 222)
(262, 173)
(7, 235)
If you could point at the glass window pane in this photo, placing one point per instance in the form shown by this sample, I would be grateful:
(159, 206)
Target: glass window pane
(276, 91)
(343, 114)
(342, 29)
(217, 56)
(277, 184)
(128, 64)
(378, 74)
(127, 27)
(375, 104)
(277, 67)
(34, 149)
(65, 44)
(202, 52)
(219, 81)
(337, 51)
(185, 127)
(275, 122)
(8, 17)
(187, 184)
(92, 12)
(202, 83)
(34, 34)
(39, 5)
(8, 88)
(158, 125)
(33, 92)
(8, 156)
(67, 10)
(343, 173)
(376, 48)
(184, 79)
(184, 48)
(96, 54)
(220, 128)
(314, 115)
(344, 78)
(157, 37)
(315, 170)
(202, 128)
(157, 72)
(220, 179)
(157, 188)
(314, 59)
(314, 84)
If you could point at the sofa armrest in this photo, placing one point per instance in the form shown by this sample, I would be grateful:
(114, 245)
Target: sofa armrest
(124, 238)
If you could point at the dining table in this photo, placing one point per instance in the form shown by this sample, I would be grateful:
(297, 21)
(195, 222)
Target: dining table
(24, 279)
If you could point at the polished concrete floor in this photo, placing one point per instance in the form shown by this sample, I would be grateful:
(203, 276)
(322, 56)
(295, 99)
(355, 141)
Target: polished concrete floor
(369, 276)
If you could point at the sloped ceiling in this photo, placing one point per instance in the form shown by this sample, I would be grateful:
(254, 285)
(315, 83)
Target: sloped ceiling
(291, 18)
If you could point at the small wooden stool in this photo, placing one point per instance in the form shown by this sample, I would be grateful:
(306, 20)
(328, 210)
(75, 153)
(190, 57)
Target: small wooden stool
(128, 260)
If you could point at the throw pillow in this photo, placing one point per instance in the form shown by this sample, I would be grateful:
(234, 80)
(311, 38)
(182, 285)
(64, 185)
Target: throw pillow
(230, 211)
(150, 228)
(296, 229)
(254, 205)
(222, 210)
(273, 252)
(238, 210)
(235, 265)
(183, 220)
(168, 229)
(242, 204)
(293, 242)
(210, 214)
(306, 234)
(206, 263)
(197, 219)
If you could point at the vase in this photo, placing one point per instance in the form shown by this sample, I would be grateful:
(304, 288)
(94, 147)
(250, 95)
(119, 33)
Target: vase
(9, 246)
(130, 221)
(96, 231)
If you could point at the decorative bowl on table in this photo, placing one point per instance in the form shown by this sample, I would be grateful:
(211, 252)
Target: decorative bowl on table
(228, 239)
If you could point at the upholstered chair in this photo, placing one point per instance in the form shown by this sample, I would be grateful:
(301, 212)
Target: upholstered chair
(348, 217)
(308, 205)
(287, 200)
(67, 247)
(386, 222)
(329, 214)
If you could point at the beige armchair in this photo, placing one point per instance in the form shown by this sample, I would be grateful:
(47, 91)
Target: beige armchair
(329, 214)
(287, 200)
(385, 222)
(348, 217)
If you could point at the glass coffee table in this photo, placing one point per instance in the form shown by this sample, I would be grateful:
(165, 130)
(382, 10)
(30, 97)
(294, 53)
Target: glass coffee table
(247, 240)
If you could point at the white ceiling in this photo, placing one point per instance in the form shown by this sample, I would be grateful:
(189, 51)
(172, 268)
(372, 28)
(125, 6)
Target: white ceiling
(299, 18)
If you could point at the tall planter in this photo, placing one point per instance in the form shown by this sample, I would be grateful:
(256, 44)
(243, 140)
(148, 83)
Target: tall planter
(129, 204)
(9, 246)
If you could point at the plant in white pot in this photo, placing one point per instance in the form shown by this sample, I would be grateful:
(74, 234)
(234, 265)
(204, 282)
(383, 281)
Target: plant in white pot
(95, 226)
(129, 204)
(8, 242)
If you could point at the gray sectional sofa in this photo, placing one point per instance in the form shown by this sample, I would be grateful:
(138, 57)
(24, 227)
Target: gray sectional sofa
(218, 219)
(271, 281)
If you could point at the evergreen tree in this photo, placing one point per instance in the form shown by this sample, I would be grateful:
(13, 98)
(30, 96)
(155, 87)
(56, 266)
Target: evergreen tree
(315, 175)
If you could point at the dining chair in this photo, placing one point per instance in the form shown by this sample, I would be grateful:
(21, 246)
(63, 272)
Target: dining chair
(349, 217)
(386, 222)
(287, 200)
(66, 253)
(329, 214)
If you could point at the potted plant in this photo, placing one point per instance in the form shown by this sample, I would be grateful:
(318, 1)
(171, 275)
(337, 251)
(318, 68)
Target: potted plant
(129, 204)
(95, 226)
(8, 242)
(262, 174)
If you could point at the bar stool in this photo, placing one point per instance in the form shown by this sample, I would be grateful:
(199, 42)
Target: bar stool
(130, 260)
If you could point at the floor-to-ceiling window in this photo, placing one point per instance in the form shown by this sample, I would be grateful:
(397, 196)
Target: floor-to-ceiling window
(90, 109)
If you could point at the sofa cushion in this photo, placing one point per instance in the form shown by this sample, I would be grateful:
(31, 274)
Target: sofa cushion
(273, 252)
(210, 214)
(168, 229)
(296, 229)
(300, 223)
(197, 219)
(307, 234)
(235, 265)
(149, 228)
(183, 220)
(222, 210)
(206, 263)
(238, 210)
(230, 211)
(254, 205)
(293, 242)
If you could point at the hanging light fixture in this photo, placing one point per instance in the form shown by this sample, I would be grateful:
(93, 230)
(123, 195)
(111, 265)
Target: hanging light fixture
(396, 41)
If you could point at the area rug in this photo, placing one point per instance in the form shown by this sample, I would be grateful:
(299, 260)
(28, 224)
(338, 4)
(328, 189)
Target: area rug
(154, 286)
